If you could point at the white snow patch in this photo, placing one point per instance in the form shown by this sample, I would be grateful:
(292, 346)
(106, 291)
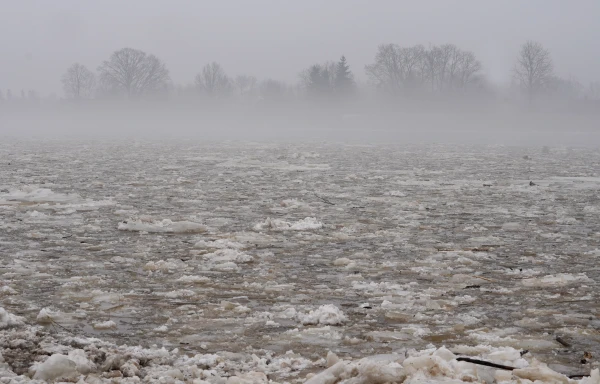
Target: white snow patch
(177, 293)
(395, 194)
(225, 267)
(293, 204)
(46, 316)
(147, 224)
(194, 279)
(33, 194)
(226, 255)
(327, 314)
(8, 320)
(81, 361)
(511, 227)
(218, 244)
(558, 280)
(105, 325)
(169, 265)
(342, 262)
(5, 290)
(475, 228)
(55, 367)
(486, 240)
(306, 224)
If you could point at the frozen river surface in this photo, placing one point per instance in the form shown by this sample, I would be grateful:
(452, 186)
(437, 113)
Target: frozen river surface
(253, 261)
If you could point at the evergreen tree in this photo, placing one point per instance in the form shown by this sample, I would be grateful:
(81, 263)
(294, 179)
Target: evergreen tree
(344, 79)
(319, 79)
(8, 94)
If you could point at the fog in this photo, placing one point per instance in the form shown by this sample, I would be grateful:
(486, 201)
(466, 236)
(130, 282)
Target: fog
(426, 71)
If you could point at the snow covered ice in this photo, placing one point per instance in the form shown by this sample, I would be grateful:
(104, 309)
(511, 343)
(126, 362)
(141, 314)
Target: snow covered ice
(238, 263)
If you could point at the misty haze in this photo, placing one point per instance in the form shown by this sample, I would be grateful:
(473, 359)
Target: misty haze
(245, 192)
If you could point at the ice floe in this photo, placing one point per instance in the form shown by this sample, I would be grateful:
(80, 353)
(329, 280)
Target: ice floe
(306, 224)
(150, 225)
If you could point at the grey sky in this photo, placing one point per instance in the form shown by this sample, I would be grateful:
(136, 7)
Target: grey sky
(277, 38)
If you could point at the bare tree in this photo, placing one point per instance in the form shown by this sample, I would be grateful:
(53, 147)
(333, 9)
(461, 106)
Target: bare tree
(78, 82)
(32, 95)
(214, 81)
(412, 57)
(453, 69)
(445, 54)
(448, 68)
(397, 68)
(273, 90)
(468, 69)
(387, 72)
(534, 68)
(569, 89)
(246, 86)
(432, 63)
(133, 72)
(439, 68)
(456, 69)
(593, 91)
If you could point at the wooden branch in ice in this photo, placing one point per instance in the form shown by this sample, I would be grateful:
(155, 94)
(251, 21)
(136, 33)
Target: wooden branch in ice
(505, 367)
(485, 363)
(324, 200)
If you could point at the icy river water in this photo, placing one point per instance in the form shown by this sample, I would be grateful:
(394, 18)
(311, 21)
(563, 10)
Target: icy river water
(264, 257)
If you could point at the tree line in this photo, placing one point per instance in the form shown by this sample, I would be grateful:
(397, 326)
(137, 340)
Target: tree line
(396, 71)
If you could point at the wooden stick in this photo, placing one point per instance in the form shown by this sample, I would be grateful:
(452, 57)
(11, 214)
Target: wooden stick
(54, 323)
(485, 363)
(578, 376)
(505, 367)
(562, 341)
(485, 278)
(324, 200)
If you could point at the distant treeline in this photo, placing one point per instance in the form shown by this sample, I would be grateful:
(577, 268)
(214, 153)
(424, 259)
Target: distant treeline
(410, 73)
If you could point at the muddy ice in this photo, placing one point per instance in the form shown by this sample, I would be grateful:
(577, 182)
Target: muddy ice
(252, 262)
